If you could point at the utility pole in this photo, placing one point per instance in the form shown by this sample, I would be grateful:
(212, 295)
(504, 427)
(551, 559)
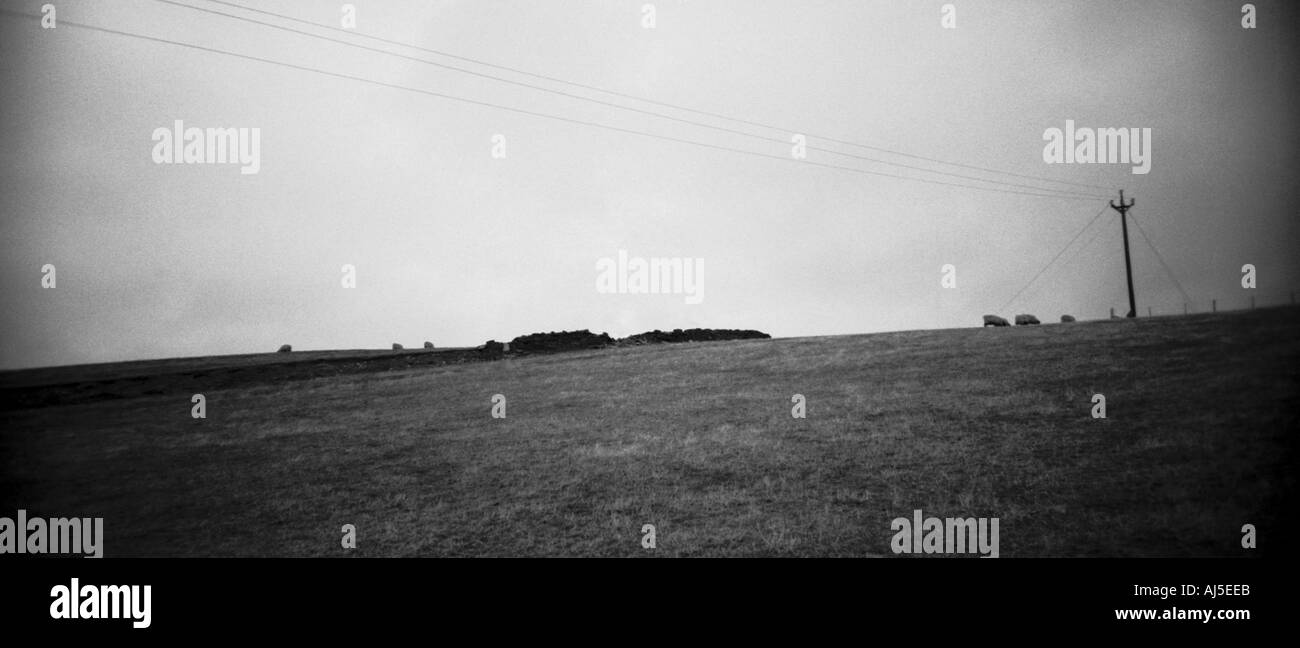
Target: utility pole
(1128, 265)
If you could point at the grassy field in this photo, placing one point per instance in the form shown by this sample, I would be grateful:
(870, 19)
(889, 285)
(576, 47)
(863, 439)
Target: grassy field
(698, 440)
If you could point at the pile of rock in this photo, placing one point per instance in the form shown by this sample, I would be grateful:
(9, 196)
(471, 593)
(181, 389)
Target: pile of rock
(554, 342)
(692, 335)
(561, 341)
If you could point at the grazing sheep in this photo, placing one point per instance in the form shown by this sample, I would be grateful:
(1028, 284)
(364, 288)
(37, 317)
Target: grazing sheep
(397, 347)
(284, 348)
(428, 345)
(1067, 318)
(1022, 320)
(994, 320)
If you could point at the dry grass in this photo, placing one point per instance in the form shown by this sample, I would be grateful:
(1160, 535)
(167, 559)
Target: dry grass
(698, 440)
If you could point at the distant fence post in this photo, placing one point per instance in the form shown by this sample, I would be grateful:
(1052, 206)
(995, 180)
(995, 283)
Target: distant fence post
(1112, 312)
(1214, 305)
(1184, 308)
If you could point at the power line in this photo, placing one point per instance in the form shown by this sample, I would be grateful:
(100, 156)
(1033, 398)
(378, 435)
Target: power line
(1058, 255)
(1161, 260)
(637, 98)
(527, 112)
(1079, 250)
(620, 106)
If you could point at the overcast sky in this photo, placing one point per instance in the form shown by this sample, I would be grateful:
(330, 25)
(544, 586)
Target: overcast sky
(455, 246)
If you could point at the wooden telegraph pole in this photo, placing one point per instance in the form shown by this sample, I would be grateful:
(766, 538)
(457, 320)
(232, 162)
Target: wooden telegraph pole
(1128, 265)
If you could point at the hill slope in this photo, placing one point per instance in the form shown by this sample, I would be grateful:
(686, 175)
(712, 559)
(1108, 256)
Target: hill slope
(698, 439)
